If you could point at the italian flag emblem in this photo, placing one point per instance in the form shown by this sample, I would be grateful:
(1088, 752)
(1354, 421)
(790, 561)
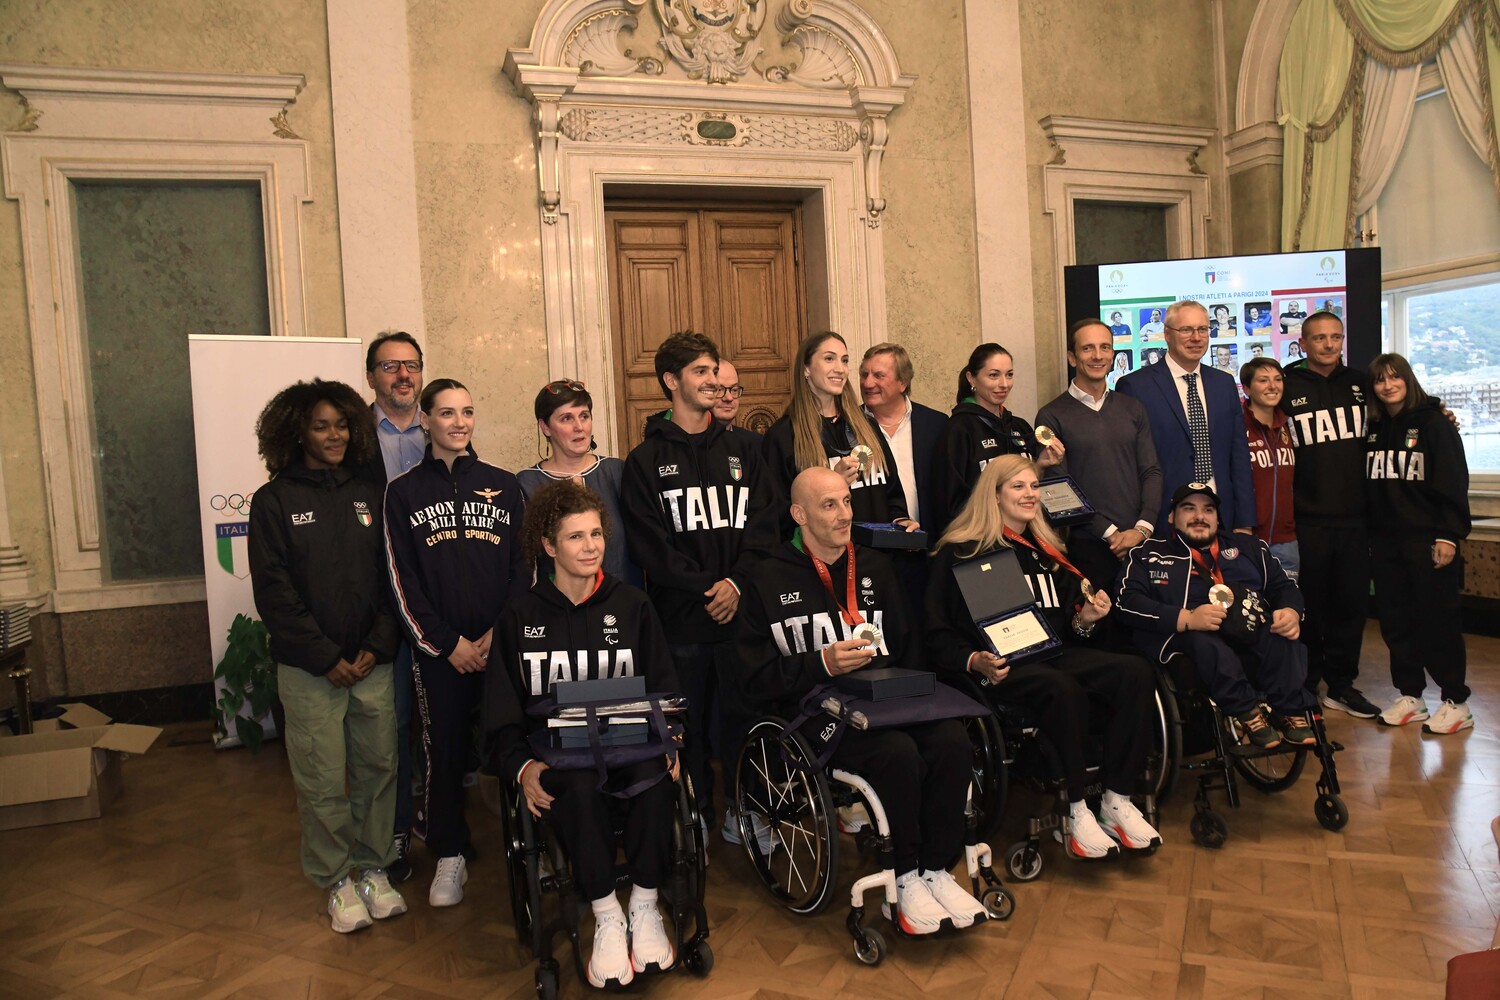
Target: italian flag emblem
(362, 513)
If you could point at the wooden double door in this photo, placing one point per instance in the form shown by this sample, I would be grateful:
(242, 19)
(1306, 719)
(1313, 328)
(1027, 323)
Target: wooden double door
(733, 272)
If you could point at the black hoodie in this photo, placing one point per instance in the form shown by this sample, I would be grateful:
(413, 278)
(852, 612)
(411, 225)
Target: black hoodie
(454, 549)
(875, 495)
(973, 437)
(317, 566)
(698, 510)
(787, 617)
(1327, 417)
(543, 637)
(1417, 475)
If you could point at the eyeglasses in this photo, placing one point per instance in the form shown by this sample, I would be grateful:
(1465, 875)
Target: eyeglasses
(732, 391)
(563, 385)
(392, 367)
(1201, 331)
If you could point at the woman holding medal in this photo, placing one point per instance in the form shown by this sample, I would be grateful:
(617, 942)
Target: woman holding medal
(824, 426)
(1004, 511)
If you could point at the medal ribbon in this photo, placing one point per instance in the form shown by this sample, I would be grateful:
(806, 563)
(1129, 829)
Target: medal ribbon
(1045, 549)
(1203, 564)
(849, 610)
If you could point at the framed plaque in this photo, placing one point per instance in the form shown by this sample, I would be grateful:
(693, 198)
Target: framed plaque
(1001, 603)
(1063, 502)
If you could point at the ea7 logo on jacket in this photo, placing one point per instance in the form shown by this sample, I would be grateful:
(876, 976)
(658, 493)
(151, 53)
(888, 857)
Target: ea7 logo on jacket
(536, 631)
(988, 443)
(791, 598)
(563, 665)
(663, 471)
(307, 518)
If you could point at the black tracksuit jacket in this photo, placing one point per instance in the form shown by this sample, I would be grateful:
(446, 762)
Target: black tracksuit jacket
(973, 437)
(698, 509)
(454, 549)
(542, 638)
(317, 566)
(1416, 473)
(876, 496)
(1327, 417)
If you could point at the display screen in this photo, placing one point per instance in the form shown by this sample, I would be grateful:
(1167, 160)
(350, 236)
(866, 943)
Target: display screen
(1255, 304)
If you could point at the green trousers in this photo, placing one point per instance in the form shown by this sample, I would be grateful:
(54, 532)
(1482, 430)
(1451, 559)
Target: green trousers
(341, 743)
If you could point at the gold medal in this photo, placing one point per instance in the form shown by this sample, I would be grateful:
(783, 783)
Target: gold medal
(1088, 591)
(861, 455)
(1221, 595)
(1044, 435)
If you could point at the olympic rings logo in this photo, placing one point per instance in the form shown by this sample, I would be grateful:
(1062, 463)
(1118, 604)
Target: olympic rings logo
(234, 503)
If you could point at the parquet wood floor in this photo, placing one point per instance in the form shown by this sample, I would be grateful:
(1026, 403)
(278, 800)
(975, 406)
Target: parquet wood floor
(190, 888)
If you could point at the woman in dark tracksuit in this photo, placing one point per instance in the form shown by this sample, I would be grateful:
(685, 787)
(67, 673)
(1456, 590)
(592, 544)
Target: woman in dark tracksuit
(316, 560)
(1418, 481)
(580, 623)
(453, 539)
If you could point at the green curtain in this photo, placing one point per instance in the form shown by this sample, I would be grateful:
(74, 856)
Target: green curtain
(1322, 93)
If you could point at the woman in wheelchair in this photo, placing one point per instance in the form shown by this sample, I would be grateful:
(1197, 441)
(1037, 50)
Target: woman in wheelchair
(582, 624)
(1004, 511)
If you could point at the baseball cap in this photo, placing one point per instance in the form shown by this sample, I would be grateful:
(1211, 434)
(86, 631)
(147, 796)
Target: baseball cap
(1189, 489)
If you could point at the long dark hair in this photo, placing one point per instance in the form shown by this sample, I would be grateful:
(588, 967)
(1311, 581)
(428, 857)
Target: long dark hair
(1394, 364)
(807, 422)
(279, 429)
(980, 355)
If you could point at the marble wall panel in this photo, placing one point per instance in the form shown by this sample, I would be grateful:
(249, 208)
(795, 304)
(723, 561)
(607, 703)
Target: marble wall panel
(1482, 569)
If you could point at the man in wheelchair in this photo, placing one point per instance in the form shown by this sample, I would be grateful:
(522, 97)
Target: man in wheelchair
(1212, 596)
(805, 619)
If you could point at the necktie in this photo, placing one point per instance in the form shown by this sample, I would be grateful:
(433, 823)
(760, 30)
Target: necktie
(1203, 463)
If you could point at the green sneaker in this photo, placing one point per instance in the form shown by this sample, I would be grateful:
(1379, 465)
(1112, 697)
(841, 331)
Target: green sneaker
(1258, 729)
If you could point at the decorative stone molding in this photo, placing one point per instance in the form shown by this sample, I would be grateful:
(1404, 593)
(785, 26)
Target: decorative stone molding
(94, 124)
(1255, 146)
(1256, 93)
(607, 114)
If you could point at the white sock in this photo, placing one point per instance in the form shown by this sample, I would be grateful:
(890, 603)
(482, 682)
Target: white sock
(606, 906)
(641, 896)
(1114, 799)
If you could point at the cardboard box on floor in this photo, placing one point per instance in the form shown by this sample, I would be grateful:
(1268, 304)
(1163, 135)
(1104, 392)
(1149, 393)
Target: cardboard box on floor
(69, 769)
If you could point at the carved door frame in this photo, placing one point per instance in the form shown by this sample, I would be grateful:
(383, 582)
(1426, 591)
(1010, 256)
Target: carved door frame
(605, 119)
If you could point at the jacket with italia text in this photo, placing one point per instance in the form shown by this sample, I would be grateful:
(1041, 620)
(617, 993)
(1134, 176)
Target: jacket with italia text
(1418, 478)
(542, 638)
(316, 566)
(1327, 418)
(1159, 580)
(699, 510)
(875, 495)
(453, 541)
(952, 635)
(787, 617)
(974, 436)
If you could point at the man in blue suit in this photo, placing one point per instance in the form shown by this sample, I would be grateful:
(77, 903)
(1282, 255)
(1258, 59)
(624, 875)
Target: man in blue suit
(1196, 418)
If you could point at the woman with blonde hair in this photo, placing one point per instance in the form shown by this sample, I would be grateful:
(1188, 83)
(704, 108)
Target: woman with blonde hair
(1004, 511)
(824, 426)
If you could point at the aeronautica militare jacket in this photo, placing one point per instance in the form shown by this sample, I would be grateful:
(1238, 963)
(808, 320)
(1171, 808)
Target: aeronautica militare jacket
(454, 549)
(1326, 414)
(697, 510)
(317, 559)
(1417, 475)
(1158, 581)
(542, 638)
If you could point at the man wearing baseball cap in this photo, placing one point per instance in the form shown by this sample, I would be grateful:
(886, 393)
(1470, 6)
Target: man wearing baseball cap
(1210, 595)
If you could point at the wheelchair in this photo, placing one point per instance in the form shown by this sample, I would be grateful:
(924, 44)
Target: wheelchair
(789, 825)
(1198, 728)
(538, 871)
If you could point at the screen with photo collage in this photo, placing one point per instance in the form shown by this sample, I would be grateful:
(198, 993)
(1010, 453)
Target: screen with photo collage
(1255, 304)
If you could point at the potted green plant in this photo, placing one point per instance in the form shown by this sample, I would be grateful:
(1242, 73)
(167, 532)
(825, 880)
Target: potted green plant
(249, 677)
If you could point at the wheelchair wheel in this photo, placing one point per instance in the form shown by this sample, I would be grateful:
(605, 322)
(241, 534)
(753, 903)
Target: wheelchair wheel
(520, 865)
(1271, 773)
(787, 819)
(699, 960)
(991, 777)
(1166, 740)
(546, 984)
(1331, 812)
(1208, 828)
(1024, 861)
(870, 948)
(998, 902)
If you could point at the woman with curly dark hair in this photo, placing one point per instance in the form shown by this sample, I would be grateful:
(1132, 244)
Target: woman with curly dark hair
(316, 565)
(580, 623)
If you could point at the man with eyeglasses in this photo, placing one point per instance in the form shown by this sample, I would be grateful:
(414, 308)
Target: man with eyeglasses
(728, 406)
(1197, 422)
(393, 368)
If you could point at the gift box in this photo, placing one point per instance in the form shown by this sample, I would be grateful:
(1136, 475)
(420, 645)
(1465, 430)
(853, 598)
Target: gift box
(884, 683)
(880, 535)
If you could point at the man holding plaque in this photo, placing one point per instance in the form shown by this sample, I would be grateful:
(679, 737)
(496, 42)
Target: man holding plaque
(820, 606)
(1209, 596)
(1110, 456)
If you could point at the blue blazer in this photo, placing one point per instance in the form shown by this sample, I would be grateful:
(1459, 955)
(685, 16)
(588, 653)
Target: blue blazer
(927, 427)
(1229, 447)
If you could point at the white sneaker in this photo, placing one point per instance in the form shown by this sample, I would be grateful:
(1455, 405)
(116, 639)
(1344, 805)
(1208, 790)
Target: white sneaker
(650, 947)
(961, 905)
(1124, 822)
(610, 962)
(346, 909)
(448, 881)
(1085, 839)
(380, 897)
(1450, 718)
(920, 912)
(758, 825)
(1404, 710)
(853, 818)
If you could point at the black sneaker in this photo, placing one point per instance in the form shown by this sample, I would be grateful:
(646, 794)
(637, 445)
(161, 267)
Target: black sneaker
(1258, 729)
(1296, 729)
(1351, 701)
(400, 869)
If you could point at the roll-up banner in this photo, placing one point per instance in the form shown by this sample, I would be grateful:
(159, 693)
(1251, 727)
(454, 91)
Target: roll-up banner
(233, 379)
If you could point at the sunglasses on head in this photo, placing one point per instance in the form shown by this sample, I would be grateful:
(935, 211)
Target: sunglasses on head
(561, 385)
